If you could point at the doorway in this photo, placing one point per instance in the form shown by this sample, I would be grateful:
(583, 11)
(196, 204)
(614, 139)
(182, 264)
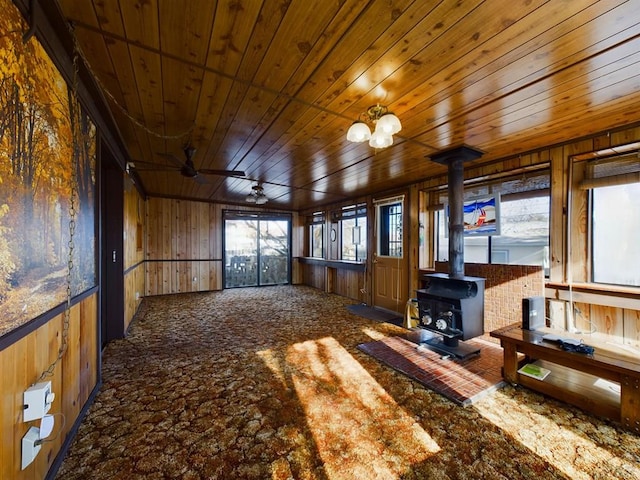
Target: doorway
(256, 249)
(390, 285)
(111, 248)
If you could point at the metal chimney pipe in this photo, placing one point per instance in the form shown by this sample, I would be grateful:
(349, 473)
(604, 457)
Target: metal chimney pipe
(455, 189)
(454, 159)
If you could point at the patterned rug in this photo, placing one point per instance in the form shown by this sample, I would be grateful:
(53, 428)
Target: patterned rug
(462, 381)
(268, 383)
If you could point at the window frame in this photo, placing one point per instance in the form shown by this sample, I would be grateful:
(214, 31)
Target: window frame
(357, 213)
(316, 221)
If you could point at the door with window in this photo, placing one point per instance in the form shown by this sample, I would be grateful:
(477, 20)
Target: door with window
(256, 250)
(390, 265)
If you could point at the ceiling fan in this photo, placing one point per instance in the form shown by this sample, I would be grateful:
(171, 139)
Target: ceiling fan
(186, 168)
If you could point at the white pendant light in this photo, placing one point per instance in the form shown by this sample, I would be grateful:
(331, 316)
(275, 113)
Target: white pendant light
(358, 132)
(389, 124)
(380, 140)
(386, 125)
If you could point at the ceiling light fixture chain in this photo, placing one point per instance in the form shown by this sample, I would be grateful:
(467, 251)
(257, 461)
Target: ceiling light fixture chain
(76, 138)
(385, 124)
(123, 109)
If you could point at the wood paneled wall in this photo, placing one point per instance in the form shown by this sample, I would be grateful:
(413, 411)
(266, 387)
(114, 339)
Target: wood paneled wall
(184, 245)
(347, 283)
(73, 380)
(134, 220)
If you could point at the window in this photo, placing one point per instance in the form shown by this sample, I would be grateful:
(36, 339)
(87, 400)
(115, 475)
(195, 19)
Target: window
(390, 230)
(524, 226)
(613, 187)
(615, 232)
(353, 233)
(316, 235)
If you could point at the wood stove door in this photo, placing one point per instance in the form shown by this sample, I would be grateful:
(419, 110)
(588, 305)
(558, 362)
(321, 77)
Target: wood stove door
(390, 266)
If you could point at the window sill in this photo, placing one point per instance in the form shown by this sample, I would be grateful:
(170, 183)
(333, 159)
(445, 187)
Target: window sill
(339, 264)
(599, 294)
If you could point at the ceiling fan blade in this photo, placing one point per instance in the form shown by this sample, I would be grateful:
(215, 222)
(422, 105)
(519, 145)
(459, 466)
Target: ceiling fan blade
(173, 159)
(228, 173)
(155, 168)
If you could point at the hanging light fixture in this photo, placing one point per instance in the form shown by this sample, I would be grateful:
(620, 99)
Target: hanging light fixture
(386, 124)
(257, 195)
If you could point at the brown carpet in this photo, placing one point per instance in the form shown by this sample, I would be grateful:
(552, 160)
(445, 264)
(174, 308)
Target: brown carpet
(269, 384)
(462, 381)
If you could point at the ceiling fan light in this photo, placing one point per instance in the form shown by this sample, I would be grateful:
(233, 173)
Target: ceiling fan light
(250, 198)
(358, 132)
(389, 124)
(380, 140)
(261, 200)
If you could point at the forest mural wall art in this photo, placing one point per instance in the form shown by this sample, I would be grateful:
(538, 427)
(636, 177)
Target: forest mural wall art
(47, 181)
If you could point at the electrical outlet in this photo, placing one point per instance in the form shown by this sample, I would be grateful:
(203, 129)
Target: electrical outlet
(30, 446)
(37, 400)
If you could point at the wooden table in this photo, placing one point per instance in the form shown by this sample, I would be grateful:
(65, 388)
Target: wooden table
(606, 383)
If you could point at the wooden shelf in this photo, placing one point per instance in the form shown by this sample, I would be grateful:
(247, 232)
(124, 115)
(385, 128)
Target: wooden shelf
(606, 383)
(591, 393)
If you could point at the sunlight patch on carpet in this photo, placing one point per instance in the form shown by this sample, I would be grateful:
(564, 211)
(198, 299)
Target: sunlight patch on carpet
(358, 428)
(564, 446)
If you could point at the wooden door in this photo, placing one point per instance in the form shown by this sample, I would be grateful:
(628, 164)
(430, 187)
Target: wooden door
(390, 265)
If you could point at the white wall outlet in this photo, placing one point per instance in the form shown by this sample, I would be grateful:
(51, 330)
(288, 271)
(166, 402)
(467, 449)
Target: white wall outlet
(31, 445)
(37, 400)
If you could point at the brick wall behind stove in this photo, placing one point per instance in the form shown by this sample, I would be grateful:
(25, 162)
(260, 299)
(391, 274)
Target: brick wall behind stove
(505, 287)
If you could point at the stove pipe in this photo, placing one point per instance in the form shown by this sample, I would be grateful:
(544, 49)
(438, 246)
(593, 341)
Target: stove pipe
(454, 159)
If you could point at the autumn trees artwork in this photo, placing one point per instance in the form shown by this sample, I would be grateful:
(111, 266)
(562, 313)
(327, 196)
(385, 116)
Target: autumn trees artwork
(47, 181)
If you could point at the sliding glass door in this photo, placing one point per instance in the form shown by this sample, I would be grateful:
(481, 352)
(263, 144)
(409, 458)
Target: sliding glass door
(256, 249)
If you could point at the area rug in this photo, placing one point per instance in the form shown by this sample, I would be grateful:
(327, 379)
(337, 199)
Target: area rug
(462, 381)
(375, 314)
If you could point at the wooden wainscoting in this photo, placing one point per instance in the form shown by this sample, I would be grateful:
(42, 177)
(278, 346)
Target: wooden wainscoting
(333, 276)
(174, 276)
(73, 380)
(608, 311)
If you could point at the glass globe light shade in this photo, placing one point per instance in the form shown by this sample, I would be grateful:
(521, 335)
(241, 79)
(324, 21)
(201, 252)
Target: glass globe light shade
(380, 140)
(389, 124)
(358, 132)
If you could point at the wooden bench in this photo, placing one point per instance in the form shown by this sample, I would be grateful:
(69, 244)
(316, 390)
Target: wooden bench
(606, 383)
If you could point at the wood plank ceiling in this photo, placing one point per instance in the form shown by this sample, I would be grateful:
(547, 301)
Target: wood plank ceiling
(271, 87)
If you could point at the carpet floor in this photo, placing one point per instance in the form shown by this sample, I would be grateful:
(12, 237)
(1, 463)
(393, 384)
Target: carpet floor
(269, 383)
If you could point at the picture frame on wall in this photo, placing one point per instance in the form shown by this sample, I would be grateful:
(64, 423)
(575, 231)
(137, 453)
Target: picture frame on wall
(481, 216)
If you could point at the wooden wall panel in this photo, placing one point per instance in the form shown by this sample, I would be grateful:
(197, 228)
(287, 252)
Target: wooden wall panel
(557, 222)
(134, 291)
(632, 328)
(348, 284)
(314, 276)
(134, 220)
(167, 277)
(73, 379)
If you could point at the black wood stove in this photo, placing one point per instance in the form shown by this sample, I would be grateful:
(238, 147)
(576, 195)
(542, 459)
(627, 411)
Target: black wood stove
(453, 308)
